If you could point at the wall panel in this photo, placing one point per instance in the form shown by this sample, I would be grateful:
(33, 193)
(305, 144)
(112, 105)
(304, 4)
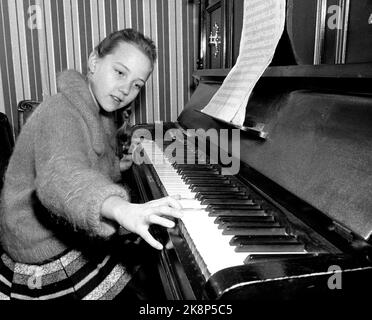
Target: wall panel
(40, 38)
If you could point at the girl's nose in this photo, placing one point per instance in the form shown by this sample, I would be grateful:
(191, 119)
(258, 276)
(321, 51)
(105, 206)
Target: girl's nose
(125, 88)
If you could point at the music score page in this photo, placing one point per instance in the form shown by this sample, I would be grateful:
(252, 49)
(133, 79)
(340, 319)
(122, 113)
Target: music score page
(263, 25)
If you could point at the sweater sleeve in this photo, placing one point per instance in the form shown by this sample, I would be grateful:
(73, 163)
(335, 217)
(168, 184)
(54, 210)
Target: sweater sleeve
(66, 184)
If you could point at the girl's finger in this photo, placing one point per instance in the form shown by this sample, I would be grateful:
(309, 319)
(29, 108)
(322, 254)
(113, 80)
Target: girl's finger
(127, 157)
(173, 203)
(166, 211)
(150, 240)
(161, 221)
(170, 201)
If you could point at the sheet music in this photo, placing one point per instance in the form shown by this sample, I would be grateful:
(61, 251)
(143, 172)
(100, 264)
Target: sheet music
(263, 25)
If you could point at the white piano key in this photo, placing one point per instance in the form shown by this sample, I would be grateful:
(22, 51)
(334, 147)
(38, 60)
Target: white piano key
(192, 204)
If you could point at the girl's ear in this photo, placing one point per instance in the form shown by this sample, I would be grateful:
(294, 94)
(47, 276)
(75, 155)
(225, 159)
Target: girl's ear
(92, 61)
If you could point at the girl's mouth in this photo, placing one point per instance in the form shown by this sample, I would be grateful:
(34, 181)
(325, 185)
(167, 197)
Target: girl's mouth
(116, 99)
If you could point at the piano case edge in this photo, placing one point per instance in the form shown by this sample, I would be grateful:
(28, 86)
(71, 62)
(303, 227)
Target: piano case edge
(325, 277)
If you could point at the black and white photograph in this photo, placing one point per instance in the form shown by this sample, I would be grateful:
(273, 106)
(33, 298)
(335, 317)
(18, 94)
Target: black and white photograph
(186, 158)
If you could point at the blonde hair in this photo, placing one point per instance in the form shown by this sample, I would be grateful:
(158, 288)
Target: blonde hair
(145, 44)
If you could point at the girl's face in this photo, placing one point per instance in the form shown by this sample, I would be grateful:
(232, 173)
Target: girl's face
(118, 77)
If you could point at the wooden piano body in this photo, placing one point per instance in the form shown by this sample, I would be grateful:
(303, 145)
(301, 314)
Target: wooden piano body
(313, 174)
(314, 168)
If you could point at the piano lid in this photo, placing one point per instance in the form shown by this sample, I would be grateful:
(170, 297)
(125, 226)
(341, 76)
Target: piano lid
(319, 148)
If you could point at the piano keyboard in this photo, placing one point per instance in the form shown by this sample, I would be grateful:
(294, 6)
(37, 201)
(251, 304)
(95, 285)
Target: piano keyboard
(222, 225)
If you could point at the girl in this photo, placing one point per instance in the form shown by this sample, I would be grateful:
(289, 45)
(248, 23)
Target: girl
(61, 205)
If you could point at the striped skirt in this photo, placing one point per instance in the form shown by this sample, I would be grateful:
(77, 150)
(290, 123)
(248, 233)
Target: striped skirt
(72, 276)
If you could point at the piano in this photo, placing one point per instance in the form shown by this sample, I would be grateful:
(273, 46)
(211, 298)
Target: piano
(295, 221)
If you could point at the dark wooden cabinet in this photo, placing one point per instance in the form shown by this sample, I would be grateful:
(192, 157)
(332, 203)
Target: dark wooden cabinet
(216, 25)
(221, 23)
(317, 32)
(220, 29)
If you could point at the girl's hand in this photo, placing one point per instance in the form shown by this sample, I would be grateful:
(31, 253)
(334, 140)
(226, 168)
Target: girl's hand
(137, 218)
(126, 162)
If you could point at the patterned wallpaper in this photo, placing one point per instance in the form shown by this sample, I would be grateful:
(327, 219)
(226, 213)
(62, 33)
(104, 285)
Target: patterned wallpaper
(39, 38)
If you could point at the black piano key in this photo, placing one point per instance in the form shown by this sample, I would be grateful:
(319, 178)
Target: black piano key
(228, 202)
(272, 257)
(222, 187)
(233, 206)
(248, 224)
(195, 167)
(237, 213)
(200, 173)
(265, 239)
(199, 181)
(222, 196)
(222, 192)
(213, 184)
(254, 231)
(203, 176)
(267, 244)
(273, 247)
(225, 219)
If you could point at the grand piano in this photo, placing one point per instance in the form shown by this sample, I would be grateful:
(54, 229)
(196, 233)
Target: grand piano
(296, 220)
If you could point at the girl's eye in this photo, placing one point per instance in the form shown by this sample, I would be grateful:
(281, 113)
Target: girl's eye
(120, 73)
(138, 86)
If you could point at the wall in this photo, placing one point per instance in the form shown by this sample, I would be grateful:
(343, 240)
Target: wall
(39, 38)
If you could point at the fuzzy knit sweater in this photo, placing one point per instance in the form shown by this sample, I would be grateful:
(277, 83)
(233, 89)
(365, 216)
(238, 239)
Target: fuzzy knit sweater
(61, 171)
